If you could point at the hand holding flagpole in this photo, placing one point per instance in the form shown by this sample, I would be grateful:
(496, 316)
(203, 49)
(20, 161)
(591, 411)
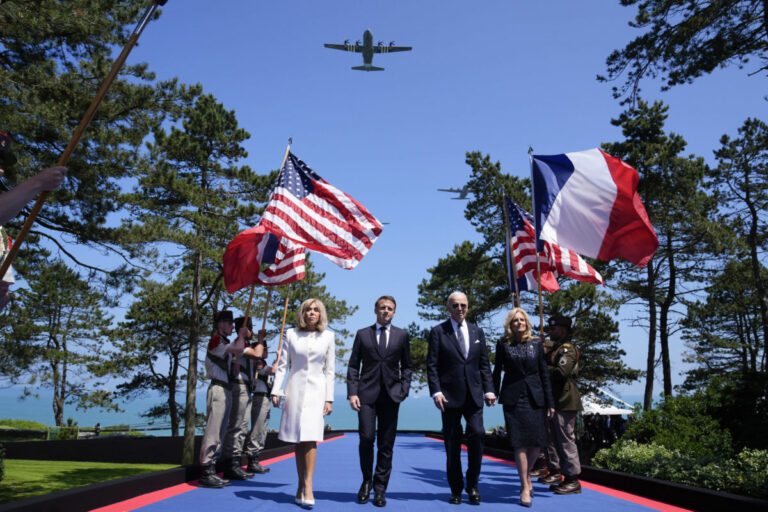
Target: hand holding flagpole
(84, 122)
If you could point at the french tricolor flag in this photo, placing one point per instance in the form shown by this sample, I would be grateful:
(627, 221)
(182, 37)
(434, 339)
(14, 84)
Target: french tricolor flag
(588, 201)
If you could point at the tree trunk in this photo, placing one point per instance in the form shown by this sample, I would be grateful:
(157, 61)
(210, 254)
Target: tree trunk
(664, 319)
(759, 285)
(651, 362)
(172, 409)
(190, 413)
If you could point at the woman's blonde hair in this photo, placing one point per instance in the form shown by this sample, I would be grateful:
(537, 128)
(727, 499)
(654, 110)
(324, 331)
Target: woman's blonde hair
(321, 324)
(508, 334)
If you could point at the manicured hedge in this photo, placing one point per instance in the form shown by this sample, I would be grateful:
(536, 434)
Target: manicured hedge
(744, 474)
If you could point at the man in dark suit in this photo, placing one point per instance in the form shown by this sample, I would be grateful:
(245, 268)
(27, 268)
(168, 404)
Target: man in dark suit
(376, 392)
(459, 375)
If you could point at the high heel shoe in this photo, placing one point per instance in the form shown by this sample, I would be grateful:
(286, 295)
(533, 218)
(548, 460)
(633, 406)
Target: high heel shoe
(526, 503)
(307, 503)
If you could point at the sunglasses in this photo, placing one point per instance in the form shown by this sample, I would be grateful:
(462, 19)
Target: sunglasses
(456, 305)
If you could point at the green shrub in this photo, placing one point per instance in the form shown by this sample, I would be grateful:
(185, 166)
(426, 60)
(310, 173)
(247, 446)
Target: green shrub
(743, 474)
(23, 424)
(682, 423)
(2, 462)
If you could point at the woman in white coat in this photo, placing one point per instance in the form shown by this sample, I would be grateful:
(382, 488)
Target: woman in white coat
(308, 357)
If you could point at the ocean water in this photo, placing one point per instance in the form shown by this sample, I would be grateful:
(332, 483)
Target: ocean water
(417, 412)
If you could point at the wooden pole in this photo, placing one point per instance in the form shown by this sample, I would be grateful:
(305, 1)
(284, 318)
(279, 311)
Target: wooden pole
(266, 309)
(510, 252)
(282, 328)
(84, 122)
(541, 303)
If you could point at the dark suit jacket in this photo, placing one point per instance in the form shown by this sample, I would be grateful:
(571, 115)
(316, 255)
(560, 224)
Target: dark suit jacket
(451, 373)
(391, 369)
(525, 368)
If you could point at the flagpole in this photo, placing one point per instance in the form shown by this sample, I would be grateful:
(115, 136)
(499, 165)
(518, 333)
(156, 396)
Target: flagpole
(510, 253)
(282, 328)
(84, 122)
(536, 242)
(541, 302)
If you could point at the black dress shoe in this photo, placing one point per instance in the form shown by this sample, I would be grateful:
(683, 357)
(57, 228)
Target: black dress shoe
(569, 486)
(379, 500)
(364, 494)
(455, 499)
(474, 496)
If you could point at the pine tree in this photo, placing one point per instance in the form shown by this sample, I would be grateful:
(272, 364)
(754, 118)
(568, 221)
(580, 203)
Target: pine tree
(61, 323)
(671, 187)
(191, 194)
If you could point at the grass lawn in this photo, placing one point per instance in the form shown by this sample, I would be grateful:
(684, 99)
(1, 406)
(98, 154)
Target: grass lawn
(26, 478)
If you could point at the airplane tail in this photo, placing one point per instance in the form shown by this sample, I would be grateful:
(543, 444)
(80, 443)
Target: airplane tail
(367, 68)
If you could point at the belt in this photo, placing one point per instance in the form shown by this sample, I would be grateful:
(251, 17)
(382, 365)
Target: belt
(224, 384)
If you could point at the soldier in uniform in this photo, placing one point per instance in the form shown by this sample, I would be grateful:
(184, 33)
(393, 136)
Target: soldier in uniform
(260, 408)
(563, 366)
(218, 399)
(242, 380)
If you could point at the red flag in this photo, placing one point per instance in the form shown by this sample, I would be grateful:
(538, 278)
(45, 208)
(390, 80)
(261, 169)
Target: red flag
(253, 247)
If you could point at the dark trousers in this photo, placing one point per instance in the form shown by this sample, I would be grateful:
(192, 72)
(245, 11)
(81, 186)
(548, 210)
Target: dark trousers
(385, 409)
(452, 432)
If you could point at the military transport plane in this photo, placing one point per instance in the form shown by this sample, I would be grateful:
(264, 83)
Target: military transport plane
(461, 191)
(368, 49)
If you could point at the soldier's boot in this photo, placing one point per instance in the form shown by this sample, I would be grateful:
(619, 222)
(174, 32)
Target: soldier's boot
(254, 466)
(209, 478)
(233, 471)
(554, 478)
(570, 485)
(247, 471)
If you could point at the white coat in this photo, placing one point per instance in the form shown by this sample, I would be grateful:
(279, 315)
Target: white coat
(310, 358)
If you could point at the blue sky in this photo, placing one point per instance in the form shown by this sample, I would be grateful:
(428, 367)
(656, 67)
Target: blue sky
(494, 76)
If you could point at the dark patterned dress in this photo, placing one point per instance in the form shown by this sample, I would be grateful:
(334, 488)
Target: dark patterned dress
(525, 392)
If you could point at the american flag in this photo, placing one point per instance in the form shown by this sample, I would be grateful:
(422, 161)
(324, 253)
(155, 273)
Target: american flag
(313, 213)
(554, 260)
(247, 254)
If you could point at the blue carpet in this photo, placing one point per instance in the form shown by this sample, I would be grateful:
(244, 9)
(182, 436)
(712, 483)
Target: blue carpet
(417, 484)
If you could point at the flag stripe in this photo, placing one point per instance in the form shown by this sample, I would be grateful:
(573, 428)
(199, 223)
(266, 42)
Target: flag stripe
(311, 212)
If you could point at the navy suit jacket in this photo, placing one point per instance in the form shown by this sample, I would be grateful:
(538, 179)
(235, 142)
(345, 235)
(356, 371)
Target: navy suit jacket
(525, 369)
(456, 376)
(390, 369)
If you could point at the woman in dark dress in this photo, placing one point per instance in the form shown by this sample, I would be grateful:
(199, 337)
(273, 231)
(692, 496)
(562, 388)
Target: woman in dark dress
(525, 393)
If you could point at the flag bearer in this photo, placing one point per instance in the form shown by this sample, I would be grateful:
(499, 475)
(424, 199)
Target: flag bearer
(243, 375)
(260, 409)
(218, 399)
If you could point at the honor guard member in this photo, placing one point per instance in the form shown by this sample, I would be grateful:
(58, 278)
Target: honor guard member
(218, 399)
(261, 405)
(242, 376)
(563, 366)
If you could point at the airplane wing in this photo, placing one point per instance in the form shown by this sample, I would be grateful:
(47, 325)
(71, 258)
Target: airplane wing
(390, 49)
(345, 47)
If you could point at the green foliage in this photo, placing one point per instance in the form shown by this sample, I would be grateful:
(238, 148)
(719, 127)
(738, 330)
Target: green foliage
(685, 39)
(671, 186)
(60, 320)
(681, 423)
(55, 55)
(739, 402)
(2, 462)
(742, 474)
(723, 331)
(23, 424)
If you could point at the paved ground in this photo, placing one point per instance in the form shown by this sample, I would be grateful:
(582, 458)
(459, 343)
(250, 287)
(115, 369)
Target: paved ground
(417, 484)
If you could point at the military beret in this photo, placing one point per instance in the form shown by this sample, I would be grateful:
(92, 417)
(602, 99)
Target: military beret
(223, 316)
(559, 321)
